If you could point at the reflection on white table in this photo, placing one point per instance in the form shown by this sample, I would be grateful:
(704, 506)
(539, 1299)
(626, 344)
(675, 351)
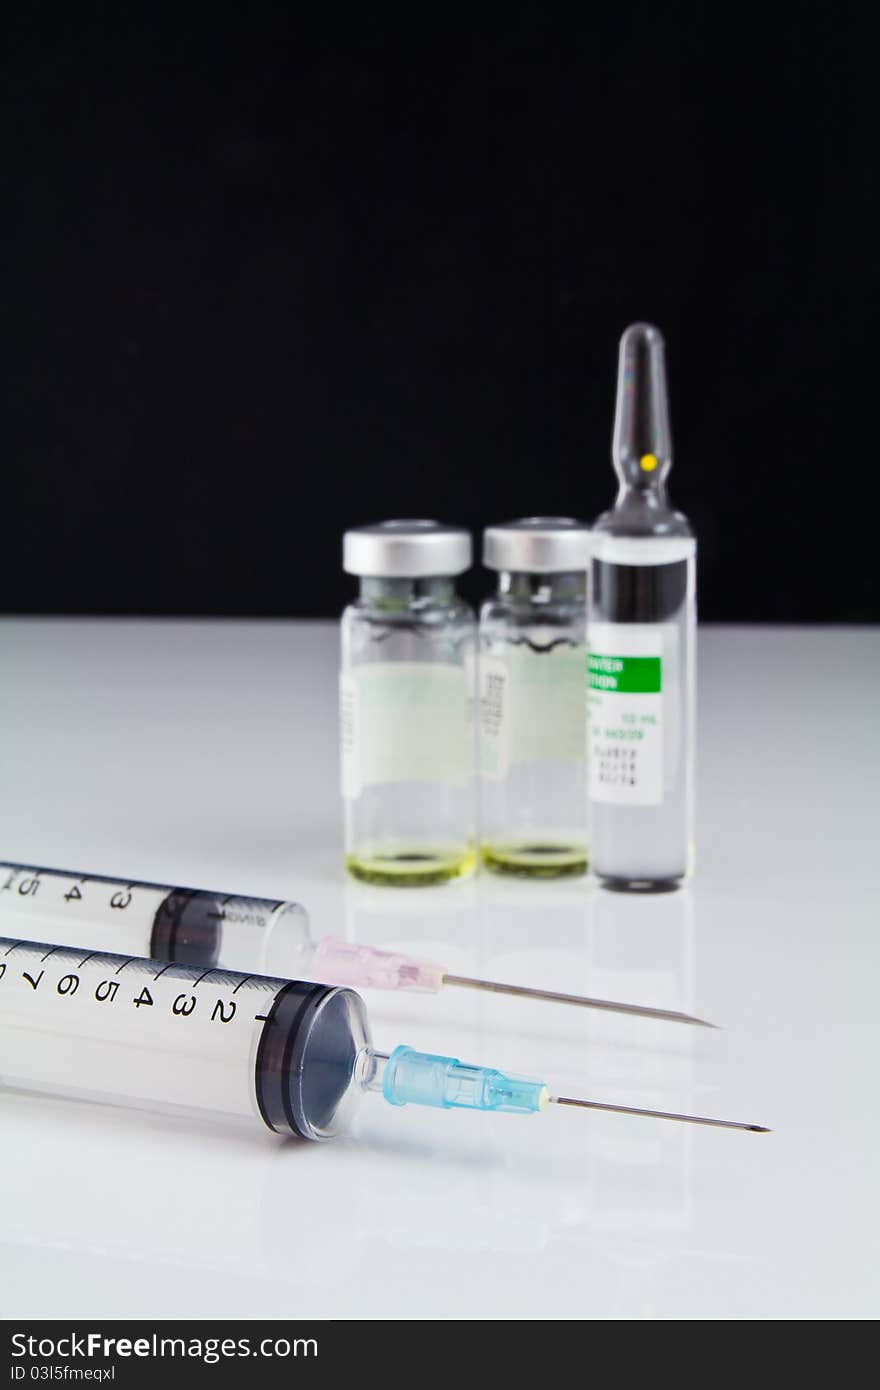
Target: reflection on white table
(205, 753)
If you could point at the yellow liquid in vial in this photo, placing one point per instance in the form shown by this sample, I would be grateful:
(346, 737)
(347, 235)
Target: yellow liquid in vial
(533, 859)
(415, 867)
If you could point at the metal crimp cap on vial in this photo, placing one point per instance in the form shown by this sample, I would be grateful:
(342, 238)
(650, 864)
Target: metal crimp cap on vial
(406, 550)
(537, 545)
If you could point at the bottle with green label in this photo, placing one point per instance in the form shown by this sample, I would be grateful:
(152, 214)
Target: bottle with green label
(532, 699)
(641, 645)
(406, 706)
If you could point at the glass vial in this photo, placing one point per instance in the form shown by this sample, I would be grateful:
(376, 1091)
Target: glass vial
(406, 700)
(642, 631)
(533, 727)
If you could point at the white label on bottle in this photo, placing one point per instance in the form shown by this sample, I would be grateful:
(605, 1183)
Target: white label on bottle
(627, 676)
(532, 707)
(404, 721)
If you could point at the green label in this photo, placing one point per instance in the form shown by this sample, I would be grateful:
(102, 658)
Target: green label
(630, 675)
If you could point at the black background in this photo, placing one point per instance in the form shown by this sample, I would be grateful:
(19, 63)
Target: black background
(268, 277)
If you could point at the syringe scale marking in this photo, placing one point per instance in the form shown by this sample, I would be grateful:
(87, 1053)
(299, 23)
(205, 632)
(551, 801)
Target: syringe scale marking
(243, 982)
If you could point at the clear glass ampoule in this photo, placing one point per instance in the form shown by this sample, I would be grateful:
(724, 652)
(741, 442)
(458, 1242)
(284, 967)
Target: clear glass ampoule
(533, 731)
(642, 631)
(408, 743)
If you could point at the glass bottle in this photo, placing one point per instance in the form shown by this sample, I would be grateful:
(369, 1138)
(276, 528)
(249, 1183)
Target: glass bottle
(642, 631)
(533, 730)
(406, 700)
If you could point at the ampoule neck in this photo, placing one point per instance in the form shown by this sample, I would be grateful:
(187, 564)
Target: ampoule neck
(568, 586)
(641, 512)
(397, 595)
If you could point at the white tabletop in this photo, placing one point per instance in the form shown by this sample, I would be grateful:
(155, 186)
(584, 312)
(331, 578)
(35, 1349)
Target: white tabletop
(205, 754)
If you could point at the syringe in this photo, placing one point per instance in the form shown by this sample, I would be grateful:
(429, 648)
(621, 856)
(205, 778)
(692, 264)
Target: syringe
(224, 930)
(293, 1055)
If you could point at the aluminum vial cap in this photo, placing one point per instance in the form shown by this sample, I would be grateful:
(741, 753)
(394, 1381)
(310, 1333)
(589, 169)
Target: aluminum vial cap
(537, 545)
(406, 550)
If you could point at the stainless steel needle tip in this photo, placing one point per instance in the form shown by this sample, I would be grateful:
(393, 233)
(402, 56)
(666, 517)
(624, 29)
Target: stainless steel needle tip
(583, 1000)
(657, 1114)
